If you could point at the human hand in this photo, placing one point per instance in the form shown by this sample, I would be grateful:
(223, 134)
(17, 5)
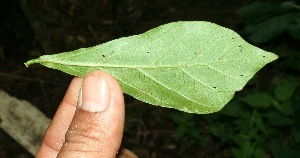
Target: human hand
(89, 124)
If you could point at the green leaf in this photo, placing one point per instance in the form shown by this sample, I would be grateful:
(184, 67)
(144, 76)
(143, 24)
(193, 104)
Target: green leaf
(270, 28)
(294, 28)
(235, 109)
(192, 66)
(286, 88)
(277, 120)
(259, 11)
(266, 20)
(258, 100)
(245, 149)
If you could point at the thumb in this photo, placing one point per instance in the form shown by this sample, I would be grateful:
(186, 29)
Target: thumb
(97, 126)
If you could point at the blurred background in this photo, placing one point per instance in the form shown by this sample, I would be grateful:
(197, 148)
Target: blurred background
(262, 121)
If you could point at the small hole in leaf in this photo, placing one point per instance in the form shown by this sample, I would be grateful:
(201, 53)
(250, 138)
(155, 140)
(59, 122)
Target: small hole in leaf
(264, 56)
(103, 55)
(215, 87)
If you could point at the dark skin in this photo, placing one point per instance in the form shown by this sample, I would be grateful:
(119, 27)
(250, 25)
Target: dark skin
(87, 125)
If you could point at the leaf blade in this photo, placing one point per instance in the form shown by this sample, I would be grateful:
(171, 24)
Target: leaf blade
(191, 66)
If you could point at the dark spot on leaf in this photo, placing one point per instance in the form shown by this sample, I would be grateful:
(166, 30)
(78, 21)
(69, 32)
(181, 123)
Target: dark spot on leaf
(264, 56)
(103, 55)
(215, 87)
(195, 53)
(148, 52)
(232, 38)
(240, 46)
(242, 75)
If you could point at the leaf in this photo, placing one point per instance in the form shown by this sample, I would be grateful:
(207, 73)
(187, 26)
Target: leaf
(286, 88)
(235, 109)
(266, 20)
(259, 11)
(276, 119)
(258, 100)
(267, 30)
(192, 66)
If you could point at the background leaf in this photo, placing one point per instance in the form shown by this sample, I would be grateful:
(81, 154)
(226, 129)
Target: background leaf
(191, 66)
(267, 20)
(286, 88)
(258, 100)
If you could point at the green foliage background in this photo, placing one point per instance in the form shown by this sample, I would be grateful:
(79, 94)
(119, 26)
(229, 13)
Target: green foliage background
(263, 120)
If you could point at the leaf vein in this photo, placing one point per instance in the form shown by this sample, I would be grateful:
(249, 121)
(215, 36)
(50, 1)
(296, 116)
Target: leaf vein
(221, 72)
(201, 51)
(170, 89)
(201, 82)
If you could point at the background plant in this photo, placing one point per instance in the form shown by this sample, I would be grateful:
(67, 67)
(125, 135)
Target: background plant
(266, 20)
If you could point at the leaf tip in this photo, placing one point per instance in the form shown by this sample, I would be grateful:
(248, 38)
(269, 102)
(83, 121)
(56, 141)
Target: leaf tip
(275, 56)
(30, 62)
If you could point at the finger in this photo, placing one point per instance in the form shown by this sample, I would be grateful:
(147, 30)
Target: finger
(97, 127)
(55, 134)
